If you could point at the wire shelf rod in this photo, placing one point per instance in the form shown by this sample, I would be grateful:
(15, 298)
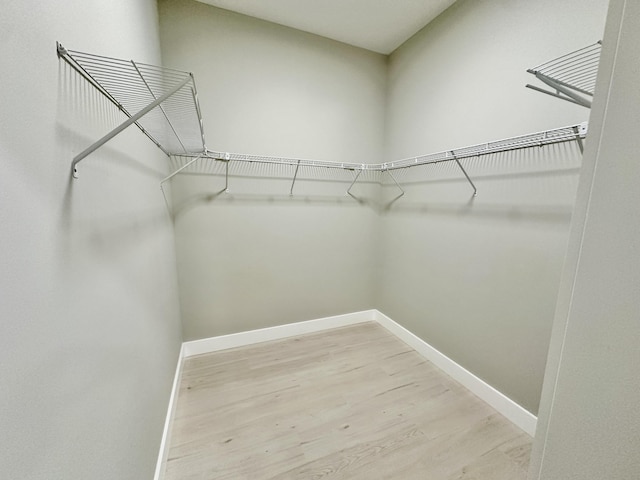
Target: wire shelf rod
(111, 60)
(570, 74)
(160, 106)
(165, 100)
(569, 56)
(78, 158)
(63, 53)
(586, 60)
(539, 139)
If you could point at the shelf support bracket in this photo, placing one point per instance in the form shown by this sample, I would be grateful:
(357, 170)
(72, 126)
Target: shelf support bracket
(397, 185)
(295, 175)
(475, 190)
(226, 160)
(576, 130)
(353, 183)
(166, 179)
(573, 97)
(153, 95)
(180, 169)
(78, 158)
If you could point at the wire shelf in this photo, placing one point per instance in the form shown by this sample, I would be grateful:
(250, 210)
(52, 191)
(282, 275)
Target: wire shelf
(217, 163)
(539, 139)
(172, 119)
(571, 75)
(165, 103)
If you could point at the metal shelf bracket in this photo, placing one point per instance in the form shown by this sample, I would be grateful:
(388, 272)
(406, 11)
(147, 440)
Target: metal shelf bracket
(475, 190)
(92, 148)
(295, 175)
(137, 87)
(571, 76)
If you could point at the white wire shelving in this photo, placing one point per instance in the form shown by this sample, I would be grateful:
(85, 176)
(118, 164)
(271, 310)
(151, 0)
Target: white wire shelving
(548, 137)
(161, 102)
(572, 76)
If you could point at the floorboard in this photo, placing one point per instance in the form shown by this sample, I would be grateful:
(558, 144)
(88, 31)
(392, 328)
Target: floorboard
(348, 403)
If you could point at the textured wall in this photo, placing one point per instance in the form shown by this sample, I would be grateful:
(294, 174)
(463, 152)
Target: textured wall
(89, 316)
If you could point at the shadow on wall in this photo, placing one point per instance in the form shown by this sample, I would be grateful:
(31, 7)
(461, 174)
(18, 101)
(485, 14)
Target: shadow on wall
(103, 211)
(84, 115)
(222, 196)
(262, 184)
(534, 184)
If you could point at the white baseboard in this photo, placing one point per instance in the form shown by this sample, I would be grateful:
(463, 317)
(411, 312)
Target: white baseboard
(166, 432)
(214, 344)
(500, 402)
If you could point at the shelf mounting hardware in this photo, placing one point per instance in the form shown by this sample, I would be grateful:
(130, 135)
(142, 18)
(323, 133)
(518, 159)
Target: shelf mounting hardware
(295, 175)
(164, 113)
(227, 159)
(81, 156)
(580, 131)
(176, 127)
(572, 76)
(397, 185)
(355, 179)
(475, 190)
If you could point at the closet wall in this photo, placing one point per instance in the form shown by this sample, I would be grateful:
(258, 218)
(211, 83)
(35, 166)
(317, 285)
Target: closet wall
(589, 423)
(256, 257)
(478, 277)
(89, 316)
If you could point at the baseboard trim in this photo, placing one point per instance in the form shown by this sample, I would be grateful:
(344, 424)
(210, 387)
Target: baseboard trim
(241, 339)
(166, 432)
(500, 402)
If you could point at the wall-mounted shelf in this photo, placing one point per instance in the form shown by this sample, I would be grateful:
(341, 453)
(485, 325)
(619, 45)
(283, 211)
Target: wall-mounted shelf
(572, 76)
(161, 102)
(187, 163)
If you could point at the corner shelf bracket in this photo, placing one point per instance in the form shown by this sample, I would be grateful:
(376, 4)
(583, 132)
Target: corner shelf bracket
(133, 86)
(92, 148)
(475, 190)
(571, 76)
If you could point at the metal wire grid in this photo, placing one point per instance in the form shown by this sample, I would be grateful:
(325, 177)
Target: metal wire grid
(176, 124)
(538, 139)
(547, 137)
(577, 70)
(302, 162)
(248, 166)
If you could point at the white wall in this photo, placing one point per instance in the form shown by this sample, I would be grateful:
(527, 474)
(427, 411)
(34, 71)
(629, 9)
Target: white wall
(478, 278)
(89, 317)
(589, 423)
(256, 257)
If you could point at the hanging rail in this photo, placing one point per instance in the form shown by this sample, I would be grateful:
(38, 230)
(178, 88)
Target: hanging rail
(161, 102)
(572, 76)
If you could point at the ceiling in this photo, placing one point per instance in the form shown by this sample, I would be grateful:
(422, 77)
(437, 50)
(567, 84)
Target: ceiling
(377, 25)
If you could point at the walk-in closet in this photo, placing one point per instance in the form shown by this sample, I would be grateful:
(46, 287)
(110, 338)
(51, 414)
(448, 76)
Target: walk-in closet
(342, 239)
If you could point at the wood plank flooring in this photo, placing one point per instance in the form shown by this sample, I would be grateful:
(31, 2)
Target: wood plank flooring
(349, 403)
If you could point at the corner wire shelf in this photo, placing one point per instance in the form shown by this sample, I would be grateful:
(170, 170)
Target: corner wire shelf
(572, 76)
(161, 102)
(165, 102)
(559, 135)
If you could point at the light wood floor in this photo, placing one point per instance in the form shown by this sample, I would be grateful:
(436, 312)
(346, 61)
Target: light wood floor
(348, 403)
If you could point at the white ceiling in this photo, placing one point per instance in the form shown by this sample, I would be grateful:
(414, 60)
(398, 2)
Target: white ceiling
(377, 25)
